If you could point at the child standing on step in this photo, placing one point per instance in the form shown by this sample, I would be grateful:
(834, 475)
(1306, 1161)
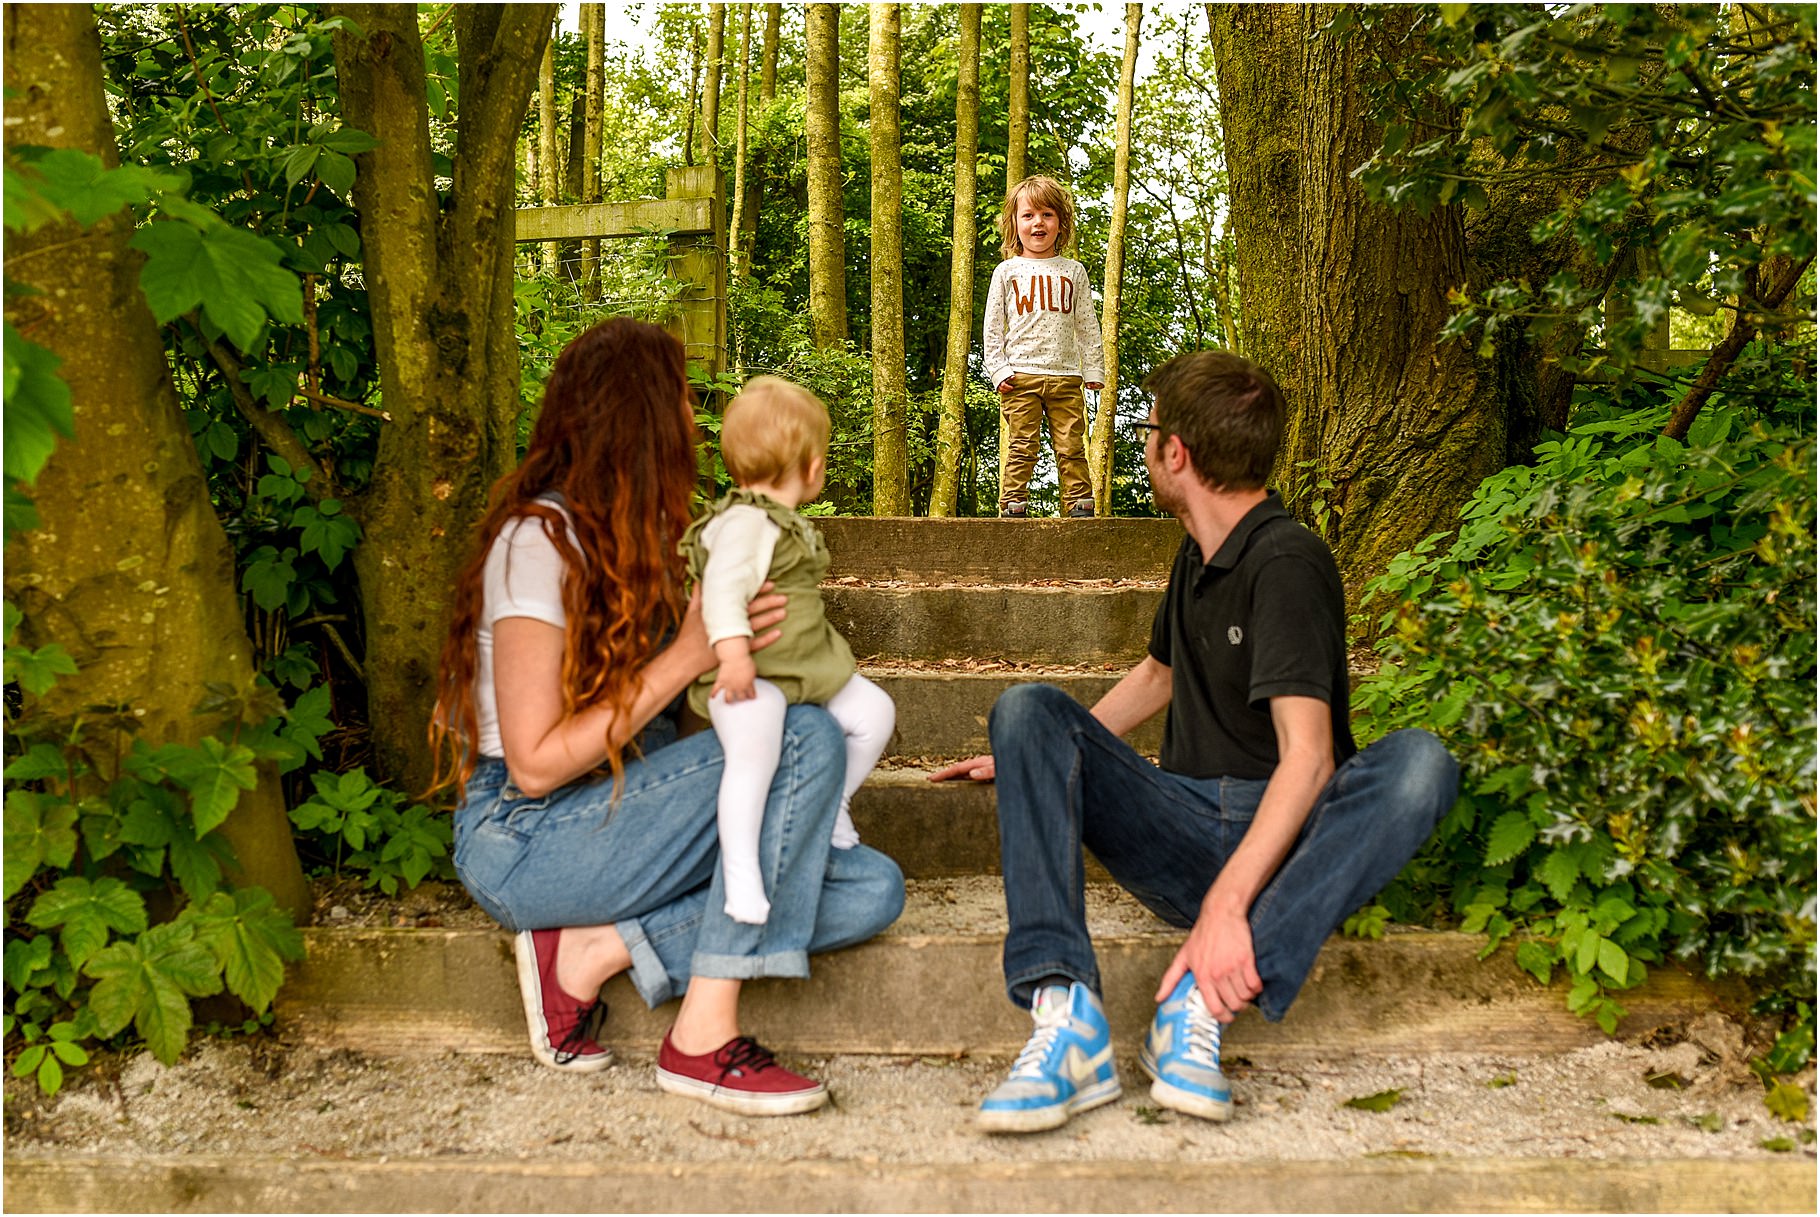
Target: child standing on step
(774, 439)
(1042, 344)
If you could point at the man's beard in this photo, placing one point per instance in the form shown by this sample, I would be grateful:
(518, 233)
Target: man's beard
(1168, 497)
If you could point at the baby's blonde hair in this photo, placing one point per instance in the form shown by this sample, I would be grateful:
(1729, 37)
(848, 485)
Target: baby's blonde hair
(774, 428)
(1044, 191)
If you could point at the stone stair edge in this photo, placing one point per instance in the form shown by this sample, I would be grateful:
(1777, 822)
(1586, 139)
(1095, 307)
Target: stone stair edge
(224, 1183)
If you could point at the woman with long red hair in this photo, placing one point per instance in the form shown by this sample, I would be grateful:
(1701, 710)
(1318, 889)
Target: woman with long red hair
(586, 825)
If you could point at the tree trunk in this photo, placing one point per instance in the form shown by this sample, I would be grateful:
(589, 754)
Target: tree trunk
(890, 404)
(1017, 106)
(594, 117)
(129, 569)
(439, 278)
(1341, 299)
(710, 88)
(694, 84)
(827, 245)
(736, 227)
(546, 140)
(767, 92)
(963, 239)
(1104, 433)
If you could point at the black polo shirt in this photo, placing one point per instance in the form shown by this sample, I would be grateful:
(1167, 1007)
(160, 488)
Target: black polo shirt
(1266, 617)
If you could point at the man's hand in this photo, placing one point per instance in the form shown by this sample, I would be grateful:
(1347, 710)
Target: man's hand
(978, 768)
(1219, 953)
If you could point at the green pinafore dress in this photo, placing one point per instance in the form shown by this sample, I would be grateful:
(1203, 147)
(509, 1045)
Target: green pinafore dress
(811, 662)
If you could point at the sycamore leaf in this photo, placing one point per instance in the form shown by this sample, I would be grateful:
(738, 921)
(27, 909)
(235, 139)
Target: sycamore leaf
(148, 981)
(251, 939)
(195, 864)
(38, 831)
(215, 773)
(38, 406)
(85, 912)
(1787, 1101)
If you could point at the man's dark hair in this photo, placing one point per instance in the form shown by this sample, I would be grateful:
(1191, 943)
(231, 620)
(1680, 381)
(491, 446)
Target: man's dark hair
(1228, 413)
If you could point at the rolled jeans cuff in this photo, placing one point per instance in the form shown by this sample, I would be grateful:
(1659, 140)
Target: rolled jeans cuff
(649, 976)
(790, 964)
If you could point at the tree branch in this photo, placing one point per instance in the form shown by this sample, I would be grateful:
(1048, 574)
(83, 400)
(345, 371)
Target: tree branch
(1744, 328)
(271, 430)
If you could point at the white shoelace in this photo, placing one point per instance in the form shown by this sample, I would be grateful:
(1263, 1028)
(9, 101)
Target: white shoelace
(1049, 1024)
(1203, 1032)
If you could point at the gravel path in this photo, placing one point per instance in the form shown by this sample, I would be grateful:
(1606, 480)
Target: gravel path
(262, 1097)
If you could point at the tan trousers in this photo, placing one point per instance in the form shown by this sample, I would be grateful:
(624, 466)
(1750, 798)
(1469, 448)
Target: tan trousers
(1024, 402)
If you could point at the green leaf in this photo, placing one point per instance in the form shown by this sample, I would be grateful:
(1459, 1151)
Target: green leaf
(73, 181)
(1510, 835)
(37, 670)
(1613, 961)
(349, 140)
(37, 406)
(215, 773)
(40, 762)
(251, 939)
(1786, 1101)
(1383, 1100)
(232, 275)
(194, 863)
(38, 830)
(25, 958)
(1537, 960)
(336, 172)
(1559, 871)
(148, 981)
(87, 912)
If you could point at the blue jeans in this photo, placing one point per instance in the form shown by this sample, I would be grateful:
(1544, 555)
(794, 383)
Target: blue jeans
(648, 862)
(1065, 781)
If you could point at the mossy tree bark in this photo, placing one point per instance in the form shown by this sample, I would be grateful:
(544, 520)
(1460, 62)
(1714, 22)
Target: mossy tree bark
(593, 120)
(129, 570)
(767, 93)
(737, 224)
(964, 237)
(1104, 433)
(1342, 299)
(710, 88)
(890, 396)
(546, 142)
(1017, 101)
(439, 275)
(827, 244)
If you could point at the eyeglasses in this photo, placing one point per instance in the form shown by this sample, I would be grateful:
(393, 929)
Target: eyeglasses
(1148, 426)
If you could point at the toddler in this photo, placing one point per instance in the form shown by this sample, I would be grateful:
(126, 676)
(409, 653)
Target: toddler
(1042, 344)
(774, 439)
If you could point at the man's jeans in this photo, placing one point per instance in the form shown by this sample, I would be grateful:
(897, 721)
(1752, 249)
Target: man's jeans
(649, 862)
(1064, 780)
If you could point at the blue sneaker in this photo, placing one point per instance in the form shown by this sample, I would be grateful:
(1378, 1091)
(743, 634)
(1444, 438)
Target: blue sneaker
(1066, 1067)
(1182, 1052)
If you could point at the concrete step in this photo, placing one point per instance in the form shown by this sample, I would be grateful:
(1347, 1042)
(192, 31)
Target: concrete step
(1105, 622)
(283, 1182)
(932, 985)
(934, 830)
(942, 709)
(999, 551)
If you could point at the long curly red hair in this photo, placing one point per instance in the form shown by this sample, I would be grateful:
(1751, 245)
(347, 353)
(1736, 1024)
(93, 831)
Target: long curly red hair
(616, 438)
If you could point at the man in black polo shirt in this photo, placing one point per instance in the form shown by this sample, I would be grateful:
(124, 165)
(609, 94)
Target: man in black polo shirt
(1263, 828)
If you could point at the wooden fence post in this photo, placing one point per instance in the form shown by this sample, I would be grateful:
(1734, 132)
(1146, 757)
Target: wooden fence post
(702, 322)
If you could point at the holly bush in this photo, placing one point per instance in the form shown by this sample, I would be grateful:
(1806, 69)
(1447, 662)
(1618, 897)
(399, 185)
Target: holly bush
(1618, 645)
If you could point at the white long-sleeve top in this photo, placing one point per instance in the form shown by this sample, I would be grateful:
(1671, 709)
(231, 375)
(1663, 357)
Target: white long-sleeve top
(1040, 318)
(740, 542)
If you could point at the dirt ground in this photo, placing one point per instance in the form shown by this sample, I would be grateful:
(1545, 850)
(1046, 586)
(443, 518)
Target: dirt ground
(1690, 1099)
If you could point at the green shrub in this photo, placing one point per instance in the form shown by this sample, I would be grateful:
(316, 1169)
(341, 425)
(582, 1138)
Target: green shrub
(1619, 647)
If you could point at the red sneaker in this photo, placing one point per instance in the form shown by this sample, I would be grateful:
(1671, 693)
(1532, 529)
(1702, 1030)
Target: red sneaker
(563, 1028)
(738, 1076)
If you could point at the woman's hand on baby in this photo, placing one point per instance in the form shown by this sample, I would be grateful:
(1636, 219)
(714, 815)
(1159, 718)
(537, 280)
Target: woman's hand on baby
(764, 614)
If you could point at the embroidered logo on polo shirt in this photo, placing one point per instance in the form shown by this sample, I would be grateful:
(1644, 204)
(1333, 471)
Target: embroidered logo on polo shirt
(1234, 635)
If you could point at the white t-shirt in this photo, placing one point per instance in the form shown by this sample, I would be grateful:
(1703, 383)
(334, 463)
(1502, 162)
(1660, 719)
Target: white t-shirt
(523, 578)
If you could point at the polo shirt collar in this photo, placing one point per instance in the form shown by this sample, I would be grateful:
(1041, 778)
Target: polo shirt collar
(1233, 548)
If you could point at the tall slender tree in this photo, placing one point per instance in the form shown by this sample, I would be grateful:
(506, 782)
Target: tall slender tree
(438, 272)
(710, 88)
(890, 396)
(129, 569)
(827, 243)
(963, 240)
(736, 227)
(594, 117)
(1104, 433)
(767, 93)
(1017, 107)
(546, 141)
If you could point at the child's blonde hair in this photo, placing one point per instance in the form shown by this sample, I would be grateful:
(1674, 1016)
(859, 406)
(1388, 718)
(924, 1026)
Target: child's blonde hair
(1044, 191)
(772, 429)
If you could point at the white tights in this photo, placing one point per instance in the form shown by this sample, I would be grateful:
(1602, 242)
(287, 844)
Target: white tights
(751, 738)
